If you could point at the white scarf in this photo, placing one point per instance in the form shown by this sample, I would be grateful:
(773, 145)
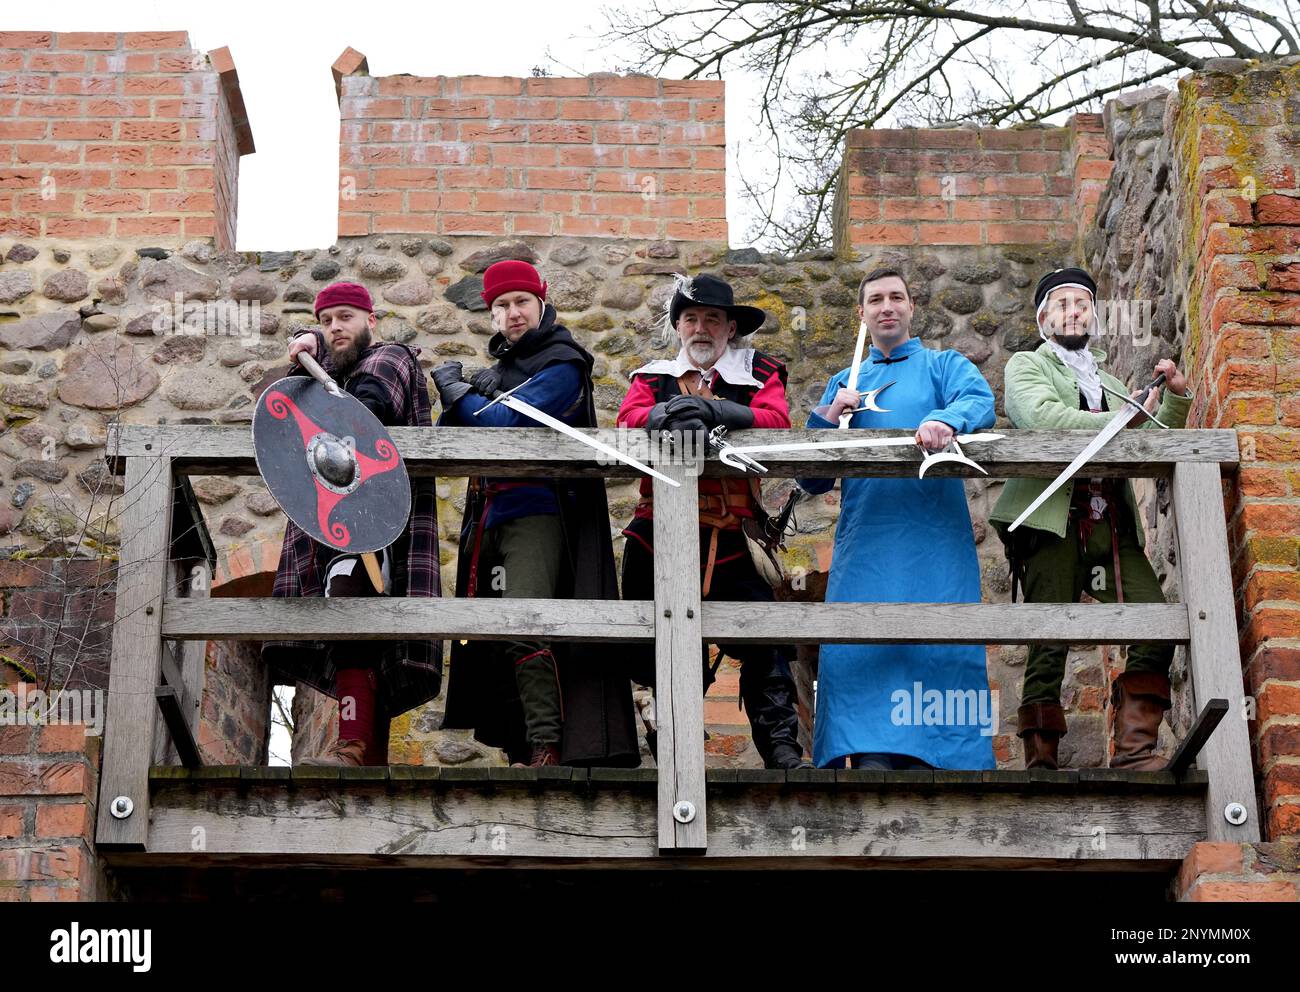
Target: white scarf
(1081, 362)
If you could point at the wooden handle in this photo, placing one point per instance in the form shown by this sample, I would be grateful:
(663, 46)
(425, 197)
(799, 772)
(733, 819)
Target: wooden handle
(312, 366)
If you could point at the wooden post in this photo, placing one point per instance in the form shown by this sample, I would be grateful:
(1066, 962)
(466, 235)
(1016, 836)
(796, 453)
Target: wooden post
(1213, 651)
(137, 653)
(679, 691)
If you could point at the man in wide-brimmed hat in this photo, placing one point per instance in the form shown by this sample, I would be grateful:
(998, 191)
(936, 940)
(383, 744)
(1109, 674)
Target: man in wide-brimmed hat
(717, 381)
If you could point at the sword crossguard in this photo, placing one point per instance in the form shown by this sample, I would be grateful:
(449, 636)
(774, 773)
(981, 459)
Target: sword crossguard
(727, 453)
(501, 394)
(1138, 406)
(950, 452)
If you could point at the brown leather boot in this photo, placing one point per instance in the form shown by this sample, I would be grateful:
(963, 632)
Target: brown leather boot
(1140, 700)
(341, 752)
(1041, 728)
(543, 754)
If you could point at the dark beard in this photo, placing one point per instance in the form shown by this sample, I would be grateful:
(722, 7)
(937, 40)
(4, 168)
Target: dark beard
(346, 358)
(1072, 342)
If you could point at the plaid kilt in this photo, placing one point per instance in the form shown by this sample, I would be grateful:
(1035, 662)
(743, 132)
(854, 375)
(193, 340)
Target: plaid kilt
(410, 672)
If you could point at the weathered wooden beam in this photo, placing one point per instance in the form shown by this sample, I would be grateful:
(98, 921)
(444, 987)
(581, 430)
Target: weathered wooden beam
(721, 622)
(137, 652)
(169, 704)
(1209, 717)
(679, 678)
(540, 452)
(1214, 656)
(365, 824)
(371, 619)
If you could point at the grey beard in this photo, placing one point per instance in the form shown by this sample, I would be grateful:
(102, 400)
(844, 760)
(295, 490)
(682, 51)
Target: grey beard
(1072, 342)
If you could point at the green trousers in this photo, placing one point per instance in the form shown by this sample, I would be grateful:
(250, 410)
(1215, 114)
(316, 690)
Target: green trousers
(520, 559)
(1058, 570)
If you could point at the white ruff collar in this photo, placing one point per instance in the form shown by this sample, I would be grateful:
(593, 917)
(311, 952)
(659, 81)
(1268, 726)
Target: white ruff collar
(736, 366)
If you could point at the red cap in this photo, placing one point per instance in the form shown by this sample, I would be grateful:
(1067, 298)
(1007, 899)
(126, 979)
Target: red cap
(511, 275)
(351, 294)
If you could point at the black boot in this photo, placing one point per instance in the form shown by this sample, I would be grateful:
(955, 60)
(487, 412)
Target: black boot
(769, 696)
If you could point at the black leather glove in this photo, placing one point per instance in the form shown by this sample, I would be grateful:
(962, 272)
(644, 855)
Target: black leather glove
(707, 414)
(486, 381)
(734, 416)
(691, 413)
(449, 381)
(658, 417)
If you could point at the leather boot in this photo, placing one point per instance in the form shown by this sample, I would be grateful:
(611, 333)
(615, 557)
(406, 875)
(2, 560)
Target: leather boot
(1041, 726)
(341, 752)
(1140, 700)
(769, 698)
(543, 754)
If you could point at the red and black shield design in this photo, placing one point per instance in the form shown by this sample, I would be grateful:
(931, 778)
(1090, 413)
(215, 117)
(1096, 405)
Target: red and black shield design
(331, 466)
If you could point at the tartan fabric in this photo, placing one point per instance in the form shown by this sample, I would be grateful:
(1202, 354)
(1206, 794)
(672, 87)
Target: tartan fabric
(410, 672)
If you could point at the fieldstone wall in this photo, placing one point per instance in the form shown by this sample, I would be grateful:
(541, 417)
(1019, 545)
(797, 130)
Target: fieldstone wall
(192, 336)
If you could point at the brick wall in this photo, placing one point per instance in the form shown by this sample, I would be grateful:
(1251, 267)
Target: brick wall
(962, 186)
(48, 783)
(1241, 198)
(56, 620)
(1225, 872)
(125, 135)
(601, 156)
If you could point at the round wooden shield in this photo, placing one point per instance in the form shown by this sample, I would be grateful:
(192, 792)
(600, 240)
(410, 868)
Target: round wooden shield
(331, 465)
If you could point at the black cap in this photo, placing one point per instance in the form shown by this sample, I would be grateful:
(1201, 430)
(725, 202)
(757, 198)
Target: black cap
(1063, 277)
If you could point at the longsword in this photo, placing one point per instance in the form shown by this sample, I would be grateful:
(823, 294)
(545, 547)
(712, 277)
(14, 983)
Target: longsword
(1116, 424)
(528, 410)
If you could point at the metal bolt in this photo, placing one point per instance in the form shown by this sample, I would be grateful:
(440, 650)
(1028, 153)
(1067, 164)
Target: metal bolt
(690, 613)
(684, 811)
(148, 611)
(1202, 614)
(668, 614)
(1235, 813)
(148, 447)
(122, 807)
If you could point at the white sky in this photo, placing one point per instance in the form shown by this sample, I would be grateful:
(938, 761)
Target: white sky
(283, 54)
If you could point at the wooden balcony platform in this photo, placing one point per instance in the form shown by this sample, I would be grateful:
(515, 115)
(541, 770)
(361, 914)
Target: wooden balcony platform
(563, 818)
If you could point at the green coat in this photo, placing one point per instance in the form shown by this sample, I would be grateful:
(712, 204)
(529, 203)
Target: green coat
(1042, 394)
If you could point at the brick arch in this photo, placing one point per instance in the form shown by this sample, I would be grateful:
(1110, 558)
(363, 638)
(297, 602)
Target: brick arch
(246, 569)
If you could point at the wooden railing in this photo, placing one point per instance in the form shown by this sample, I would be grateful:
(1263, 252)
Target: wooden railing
(149, 615)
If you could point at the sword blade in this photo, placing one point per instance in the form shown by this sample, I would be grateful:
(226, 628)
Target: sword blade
(852, 383)
(861, 442)
(528, 410)
(1117, 424)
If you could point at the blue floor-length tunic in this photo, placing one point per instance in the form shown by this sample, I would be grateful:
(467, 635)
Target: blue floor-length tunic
(906, 540)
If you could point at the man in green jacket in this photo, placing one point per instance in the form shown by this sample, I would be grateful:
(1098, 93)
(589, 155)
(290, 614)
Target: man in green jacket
(1088, 535)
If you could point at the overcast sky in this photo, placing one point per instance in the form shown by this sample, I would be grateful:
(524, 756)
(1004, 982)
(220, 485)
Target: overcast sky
(283, 53)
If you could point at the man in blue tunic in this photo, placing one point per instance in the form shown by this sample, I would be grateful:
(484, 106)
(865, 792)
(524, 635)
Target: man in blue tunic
(903, 540)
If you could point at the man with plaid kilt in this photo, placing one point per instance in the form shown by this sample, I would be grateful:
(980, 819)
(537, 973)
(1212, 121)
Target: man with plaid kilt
(372, 680)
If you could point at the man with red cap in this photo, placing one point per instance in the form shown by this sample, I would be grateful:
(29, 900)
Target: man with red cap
(534, 539)
(372, 680)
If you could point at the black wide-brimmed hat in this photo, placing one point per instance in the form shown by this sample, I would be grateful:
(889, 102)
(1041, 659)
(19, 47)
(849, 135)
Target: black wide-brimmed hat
(707, 290)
